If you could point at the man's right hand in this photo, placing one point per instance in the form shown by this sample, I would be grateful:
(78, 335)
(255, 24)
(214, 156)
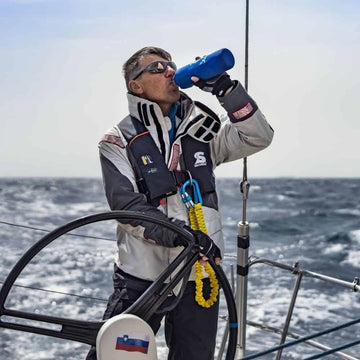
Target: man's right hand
(206, 245)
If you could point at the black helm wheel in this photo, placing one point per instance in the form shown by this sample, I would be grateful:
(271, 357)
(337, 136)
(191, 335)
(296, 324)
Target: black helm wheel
(86, 331)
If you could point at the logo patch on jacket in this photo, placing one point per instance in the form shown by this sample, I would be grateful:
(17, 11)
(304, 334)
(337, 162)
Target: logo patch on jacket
(200, 159)
(243, 112)
(146, 159)
(113, 139)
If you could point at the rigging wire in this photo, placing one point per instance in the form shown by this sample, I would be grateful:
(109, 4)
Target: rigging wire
(78, 235)
(59, 292)
(48, 231)
(49, 290)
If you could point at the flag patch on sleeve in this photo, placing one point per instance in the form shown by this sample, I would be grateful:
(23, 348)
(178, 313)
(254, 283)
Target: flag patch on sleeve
(243, 112)
(113, 139)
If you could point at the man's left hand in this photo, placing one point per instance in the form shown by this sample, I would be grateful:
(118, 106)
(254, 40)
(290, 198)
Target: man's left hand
(217, 85)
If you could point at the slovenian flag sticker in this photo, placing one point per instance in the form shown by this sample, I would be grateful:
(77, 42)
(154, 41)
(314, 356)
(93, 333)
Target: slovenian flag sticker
(133, 343)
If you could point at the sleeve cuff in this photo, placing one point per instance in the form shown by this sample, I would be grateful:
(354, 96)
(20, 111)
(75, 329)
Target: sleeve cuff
(238, 104)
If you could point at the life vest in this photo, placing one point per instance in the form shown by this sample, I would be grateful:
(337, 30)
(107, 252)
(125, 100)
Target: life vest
(153, 177)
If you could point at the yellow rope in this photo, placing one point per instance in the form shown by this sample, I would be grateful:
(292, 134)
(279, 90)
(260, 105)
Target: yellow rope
(197, 222)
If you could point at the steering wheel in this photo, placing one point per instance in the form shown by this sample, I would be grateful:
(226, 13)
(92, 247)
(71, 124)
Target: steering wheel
(86, 331)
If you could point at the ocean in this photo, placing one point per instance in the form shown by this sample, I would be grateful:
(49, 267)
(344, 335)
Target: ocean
(313, 221)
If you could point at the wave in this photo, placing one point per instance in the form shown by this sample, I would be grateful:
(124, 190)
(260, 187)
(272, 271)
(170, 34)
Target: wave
(341, 237)
(313, 221)
(351, 212)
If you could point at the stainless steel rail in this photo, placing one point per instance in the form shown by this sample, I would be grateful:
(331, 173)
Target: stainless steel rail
(354, 286)
(299, 273)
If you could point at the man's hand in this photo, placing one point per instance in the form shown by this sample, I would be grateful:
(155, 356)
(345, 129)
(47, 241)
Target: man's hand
(217, 85)
(206, 245)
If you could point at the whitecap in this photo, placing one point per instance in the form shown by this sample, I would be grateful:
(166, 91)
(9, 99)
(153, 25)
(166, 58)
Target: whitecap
(354, 212)
(80, 208)
(335, 248)
(353, 259)
(255, 187)
(355, 235)
(229, 221)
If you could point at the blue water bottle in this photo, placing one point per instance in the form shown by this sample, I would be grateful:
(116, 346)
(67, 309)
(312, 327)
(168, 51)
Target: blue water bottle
(205, 68)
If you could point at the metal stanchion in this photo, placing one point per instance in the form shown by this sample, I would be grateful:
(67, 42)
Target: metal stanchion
(243, 238)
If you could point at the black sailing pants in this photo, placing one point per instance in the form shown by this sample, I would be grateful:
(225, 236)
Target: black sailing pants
(190, 329)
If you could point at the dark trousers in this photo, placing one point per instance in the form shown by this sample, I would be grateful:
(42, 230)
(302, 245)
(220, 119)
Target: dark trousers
(190, 329)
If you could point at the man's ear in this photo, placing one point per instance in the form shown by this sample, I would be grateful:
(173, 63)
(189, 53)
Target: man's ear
(135, 87)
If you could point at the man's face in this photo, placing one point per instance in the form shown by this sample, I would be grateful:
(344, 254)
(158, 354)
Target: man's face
(157, 87)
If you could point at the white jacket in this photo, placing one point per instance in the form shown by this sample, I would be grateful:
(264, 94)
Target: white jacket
(145, 250)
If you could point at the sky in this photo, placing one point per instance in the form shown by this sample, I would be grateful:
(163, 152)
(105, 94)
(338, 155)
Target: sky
(61, 85)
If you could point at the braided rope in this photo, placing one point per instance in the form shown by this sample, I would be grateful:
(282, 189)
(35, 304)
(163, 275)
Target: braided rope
(197, 222)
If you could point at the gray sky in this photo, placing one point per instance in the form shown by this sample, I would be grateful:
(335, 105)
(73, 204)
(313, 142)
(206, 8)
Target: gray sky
(61, 85)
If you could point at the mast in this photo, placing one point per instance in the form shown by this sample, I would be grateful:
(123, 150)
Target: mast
(243, 238)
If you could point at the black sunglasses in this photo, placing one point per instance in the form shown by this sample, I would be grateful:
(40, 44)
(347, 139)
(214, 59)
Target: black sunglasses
(157, 67)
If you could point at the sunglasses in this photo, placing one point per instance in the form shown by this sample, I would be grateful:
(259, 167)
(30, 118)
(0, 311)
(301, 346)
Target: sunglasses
(157, 67)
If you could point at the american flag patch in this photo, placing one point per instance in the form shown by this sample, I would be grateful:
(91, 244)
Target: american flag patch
(243, 112)
(113, 139)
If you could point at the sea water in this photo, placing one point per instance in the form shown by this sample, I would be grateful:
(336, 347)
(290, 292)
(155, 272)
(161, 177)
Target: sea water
(313, 221)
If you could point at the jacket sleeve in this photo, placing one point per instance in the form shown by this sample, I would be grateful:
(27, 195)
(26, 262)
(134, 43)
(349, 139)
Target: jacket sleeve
(122, 194)
(246, 130)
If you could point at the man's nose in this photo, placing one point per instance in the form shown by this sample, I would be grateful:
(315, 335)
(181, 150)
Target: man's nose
(169, 71)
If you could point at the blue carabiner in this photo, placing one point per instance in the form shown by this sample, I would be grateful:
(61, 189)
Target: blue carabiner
(196, 191)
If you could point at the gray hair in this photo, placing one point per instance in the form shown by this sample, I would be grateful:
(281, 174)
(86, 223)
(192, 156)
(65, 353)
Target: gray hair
(132, 65)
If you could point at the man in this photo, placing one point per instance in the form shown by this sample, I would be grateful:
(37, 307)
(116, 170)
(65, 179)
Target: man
(167, 139)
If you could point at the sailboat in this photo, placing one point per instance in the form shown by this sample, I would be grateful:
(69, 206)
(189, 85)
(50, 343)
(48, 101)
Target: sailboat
(138, 342)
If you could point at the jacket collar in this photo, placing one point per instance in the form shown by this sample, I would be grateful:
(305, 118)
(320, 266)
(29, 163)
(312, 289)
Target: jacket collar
(151, 116)
(192, 118)
(143, 109)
